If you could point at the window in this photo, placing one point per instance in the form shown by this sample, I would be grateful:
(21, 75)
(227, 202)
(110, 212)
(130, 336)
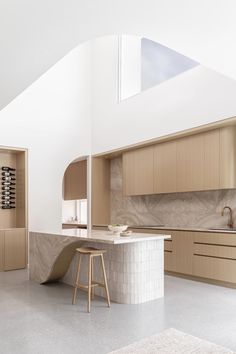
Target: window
(144, 63)
(74, 210)
(82, 211)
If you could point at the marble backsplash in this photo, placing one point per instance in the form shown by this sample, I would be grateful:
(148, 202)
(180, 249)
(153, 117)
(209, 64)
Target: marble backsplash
(192, 209)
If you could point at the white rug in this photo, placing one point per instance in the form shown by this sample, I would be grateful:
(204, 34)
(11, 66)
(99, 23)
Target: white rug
(172, 341)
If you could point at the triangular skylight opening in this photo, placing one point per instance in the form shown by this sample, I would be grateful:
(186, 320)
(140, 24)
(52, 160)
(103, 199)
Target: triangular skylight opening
(144, 63)
(160, 63)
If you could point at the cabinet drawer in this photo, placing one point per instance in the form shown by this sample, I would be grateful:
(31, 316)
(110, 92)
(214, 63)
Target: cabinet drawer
(215, 238)
(214, 268)
(215, 251)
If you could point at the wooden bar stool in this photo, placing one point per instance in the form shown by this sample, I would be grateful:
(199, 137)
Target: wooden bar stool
(91, 253)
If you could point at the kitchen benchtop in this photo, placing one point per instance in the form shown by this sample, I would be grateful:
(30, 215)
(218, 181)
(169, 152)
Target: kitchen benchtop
(52, 257)
(103, 236)
(171, 228)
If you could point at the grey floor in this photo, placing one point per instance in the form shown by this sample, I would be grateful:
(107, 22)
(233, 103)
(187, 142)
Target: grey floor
(40, 318)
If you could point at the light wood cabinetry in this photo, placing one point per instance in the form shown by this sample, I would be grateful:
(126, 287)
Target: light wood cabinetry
(178, 252)
(138, 171)
(215, 268)
(75, 181)
(168, 255)
(204, 161)
(14, 249)
(215, 238)
(182, 251)
(13, 222)
(198, 162)
(1, 251)
(214, 256)
(200, 255)
(190, 163)
(204, 255)
(165, 167)
(228, 157)
(211, 159)
(101, 192)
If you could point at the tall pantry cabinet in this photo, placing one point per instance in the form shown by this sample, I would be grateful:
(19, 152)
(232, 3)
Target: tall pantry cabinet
(13, 209)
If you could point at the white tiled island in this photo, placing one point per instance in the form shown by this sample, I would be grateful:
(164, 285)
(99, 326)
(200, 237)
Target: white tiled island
(134, 264)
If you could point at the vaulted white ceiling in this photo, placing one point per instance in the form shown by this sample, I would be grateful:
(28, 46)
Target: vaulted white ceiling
(35, 34)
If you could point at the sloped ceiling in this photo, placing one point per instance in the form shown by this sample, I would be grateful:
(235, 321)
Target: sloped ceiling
(35, 34)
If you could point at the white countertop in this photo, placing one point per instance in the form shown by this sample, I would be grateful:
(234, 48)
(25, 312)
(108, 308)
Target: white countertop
(102, 236)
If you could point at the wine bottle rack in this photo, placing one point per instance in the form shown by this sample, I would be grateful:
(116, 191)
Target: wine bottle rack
(8, 200)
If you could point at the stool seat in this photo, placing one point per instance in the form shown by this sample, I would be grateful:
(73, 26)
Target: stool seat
(90, 250)
(91, 253)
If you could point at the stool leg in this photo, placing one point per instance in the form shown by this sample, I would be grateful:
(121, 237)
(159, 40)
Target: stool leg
(76, 281)
(92, 274)
(89, 282)
(105, 280)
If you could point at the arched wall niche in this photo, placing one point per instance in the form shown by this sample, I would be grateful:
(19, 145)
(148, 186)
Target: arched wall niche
(75, 193)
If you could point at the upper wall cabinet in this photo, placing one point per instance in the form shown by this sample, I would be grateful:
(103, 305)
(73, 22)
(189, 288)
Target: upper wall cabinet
(204, 161)
(138, 171)
(228, 157)
(198, 162)
(212, 159)
(190, 163)
(75, 181)
(165, 167)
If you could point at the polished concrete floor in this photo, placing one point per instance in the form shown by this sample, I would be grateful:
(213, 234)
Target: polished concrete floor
(40, 318)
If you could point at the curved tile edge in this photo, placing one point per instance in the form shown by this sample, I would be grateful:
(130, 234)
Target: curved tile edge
(49, 260)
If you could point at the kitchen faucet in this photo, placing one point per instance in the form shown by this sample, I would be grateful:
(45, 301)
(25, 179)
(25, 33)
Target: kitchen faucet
(230, 221)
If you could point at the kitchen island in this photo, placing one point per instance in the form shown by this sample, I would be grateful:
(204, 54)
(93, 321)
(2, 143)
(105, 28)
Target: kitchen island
(134, 264)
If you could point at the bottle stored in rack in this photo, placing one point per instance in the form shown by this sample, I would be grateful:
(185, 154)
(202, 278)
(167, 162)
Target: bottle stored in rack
(6, 168)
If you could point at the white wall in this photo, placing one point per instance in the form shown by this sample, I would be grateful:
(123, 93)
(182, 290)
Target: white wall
(52, 119)
(196, 97)
(34, 35)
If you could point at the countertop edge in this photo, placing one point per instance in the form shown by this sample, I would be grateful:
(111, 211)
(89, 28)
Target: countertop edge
(171, 228)
(134, 238)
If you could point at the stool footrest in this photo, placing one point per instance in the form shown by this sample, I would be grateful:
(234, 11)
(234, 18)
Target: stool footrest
(93, 285)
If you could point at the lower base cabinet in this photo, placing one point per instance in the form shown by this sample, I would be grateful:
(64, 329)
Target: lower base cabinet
(13, 249)
(214, 256)
(201, 254)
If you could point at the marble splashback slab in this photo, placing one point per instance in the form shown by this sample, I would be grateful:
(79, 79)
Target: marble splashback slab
(192, 209)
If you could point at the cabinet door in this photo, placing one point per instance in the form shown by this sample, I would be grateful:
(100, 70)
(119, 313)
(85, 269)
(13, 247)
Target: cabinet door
(138, 172)
(228, 157)
(212, 160)
(15, 249)
(183, 252)
(1, 251)
(165, 167)
(190, 163)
